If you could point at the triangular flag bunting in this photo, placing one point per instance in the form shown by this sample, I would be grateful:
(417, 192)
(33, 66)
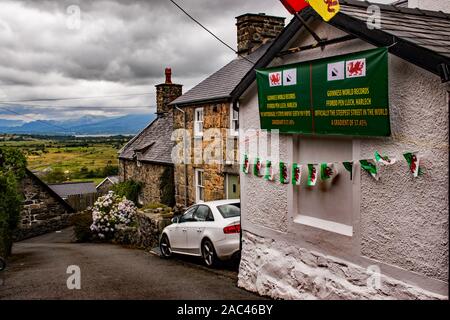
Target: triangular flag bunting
(414, 163)
(349, 167)
(269, 171)
(327, 9)
(312, 174)
(257, 168)
(296, 174)
(284, 178)
(328, 171)
(384, 160)
(246, 164)
(370, 167)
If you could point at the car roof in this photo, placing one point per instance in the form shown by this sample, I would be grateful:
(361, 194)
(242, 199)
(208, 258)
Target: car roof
(220, 202)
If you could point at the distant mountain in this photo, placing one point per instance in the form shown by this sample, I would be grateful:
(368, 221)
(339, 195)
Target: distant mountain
(10, 123)
(86, 125)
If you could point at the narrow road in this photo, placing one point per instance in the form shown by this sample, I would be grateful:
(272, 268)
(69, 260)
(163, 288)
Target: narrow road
(37, 270)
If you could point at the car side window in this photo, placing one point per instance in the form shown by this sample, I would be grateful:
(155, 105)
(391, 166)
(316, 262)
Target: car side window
(188, 215)
(203, 213)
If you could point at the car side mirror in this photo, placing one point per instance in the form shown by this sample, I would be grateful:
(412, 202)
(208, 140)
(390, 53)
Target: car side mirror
(175, 219)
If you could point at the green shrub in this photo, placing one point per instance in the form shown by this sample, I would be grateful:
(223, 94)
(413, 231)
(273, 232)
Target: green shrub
(129, 189)
(82, 226)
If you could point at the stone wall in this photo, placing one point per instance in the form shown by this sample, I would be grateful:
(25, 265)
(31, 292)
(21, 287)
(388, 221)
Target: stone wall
(288, 272)
(146, 233)
(149, 174)
(42, 212)
(217, 117)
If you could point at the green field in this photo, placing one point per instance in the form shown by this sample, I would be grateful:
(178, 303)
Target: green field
(57, 159)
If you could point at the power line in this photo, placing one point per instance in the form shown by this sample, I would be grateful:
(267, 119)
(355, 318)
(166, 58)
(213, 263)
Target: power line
(210, 32)
(78, 98)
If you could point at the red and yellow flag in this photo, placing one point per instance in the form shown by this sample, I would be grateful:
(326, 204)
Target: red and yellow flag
(294, 6)
(327, 9)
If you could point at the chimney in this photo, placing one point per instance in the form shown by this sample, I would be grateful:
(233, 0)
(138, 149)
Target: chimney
(166, 93)
(253, 30)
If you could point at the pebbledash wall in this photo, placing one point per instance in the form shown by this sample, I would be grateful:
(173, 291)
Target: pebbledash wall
(398, 224)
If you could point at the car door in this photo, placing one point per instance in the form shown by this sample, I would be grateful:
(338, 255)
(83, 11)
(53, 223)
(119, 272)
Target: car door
(202, 216)
(178, 238)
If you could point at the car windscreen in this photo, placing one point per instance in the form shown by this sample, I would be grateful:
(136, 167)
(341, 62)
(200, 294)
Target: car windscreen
(230, 210)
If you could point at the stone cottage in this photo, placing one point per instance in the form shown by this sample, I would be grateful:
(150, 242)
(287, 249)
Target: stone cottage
(106, 185)
(43, 209)
(211, 120)
(362, 238)
(147, 157)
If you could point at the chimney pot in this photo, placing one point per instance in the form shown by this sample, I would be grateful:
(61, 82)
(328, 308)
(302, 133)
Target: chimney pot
(168, 76)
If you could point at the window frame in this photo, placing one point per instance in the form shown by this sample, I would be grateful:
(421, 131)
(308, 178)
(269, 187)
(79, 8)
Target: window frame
(233, 130)
(198, 186)
(197, 132)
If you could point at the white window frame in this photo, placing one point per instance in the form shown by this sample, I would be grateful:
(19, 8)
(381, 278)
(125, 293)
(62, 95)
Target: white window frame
(199, 186)
(233, 120)
(198, 123)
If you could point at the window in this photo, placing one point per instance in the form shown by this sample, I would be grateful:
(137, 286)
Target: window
(234, 121)
(198, 122)
(199, 186)
(230, 210)
(188, 215)
(203, 213)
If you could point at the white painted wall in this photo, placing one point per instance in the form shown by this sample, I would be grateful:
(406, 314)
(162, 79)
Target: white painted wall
(434, 5)
(399, 223)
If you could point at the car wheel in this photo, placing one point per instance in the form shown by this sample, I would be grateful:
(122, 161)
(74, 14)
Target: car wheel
(208, 253)
(164, 246)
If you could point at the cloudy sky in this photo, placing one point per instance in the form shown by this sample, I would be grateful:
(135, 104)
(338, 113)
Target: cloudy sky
(118, 47)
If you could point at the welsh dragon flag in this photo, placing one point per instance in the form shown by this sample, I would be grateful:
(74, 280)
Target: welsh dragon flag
(414, 163)
(328, 171)
(312, 174)
(246, 164)
(384, 160)
(257, 168)
(296, 174)
(269, 176)
(370, 167)
(284, 177)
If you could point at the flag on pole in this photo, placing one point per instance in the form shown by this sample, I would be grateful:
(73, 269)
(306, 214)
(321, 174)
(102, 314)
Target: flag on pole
(269, 171)
(296, 174)
(327, 9)
(294, 6)
(349, 167)
(257, 168)
(246, 164)
(284, 179)
(370, 167)
(312, 174)
(328, 171)
(384, 160)
(414, 163)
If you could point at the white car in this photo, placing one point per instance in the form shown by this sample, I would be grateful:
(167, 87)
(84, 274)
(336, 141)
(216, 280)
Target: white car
(210, 230)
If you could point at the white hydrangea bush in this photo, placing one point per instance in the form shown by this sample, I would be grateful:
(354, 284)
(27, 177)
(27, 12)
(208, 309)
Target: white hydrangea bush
(111, 212)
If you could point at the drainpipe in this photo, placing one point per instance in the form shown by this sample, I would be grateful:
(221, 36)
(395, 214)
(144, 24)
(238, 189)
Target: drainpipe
(185, 158)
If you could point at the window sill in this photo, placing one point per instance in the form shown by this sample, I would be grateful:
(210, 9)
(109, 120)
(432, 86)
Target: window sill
(326, 225)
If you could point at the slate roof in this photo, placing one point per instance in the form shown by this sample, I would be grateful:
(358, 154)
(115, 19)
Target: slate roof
(153, 144)
(220, 84)
(73, 188)
(428, 29)
(112, 179)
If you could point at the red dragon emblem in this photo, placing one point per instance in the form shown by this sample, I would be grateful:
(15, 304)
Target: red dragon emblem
(331, 4)
(297, 174)
(275, 78)
(313, 174)
(355, 68)
(413, 165)
(285, 174)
